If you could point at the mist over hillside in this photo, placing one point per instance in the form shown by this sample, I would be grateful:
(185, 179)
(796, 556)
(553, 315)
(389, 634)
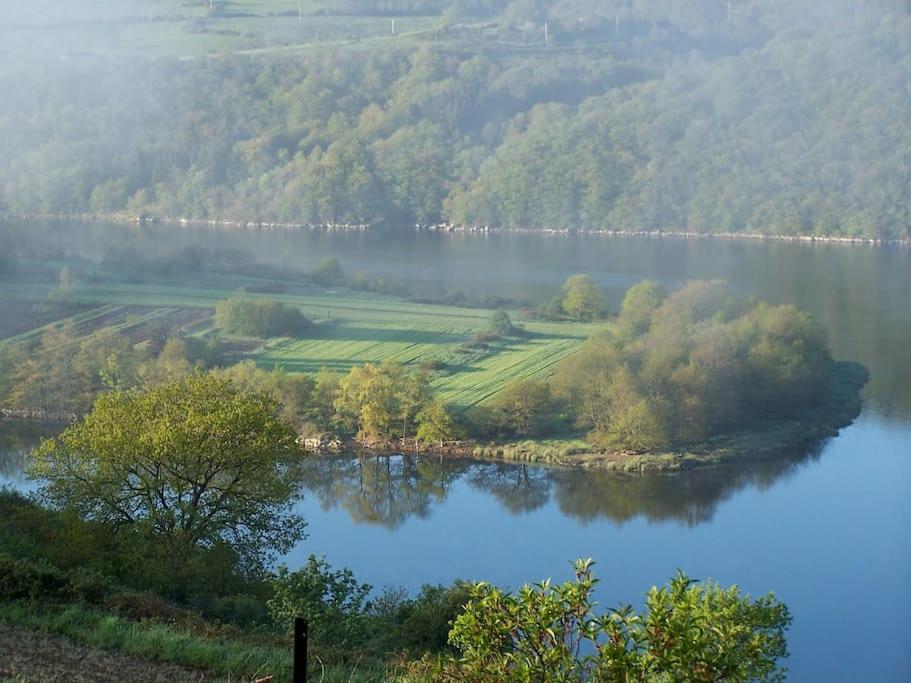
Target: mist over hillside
(773, 117)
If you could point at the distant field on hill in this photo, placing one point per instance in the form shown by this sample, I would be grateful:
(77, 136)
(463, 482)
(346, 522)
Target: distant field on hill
(351, 328)
(187, 29)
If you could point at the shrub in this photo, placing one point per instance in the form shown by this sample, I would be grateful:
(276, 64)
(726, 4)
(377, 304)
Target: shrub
(501, 323)
(688, 632)
(259, 318)
(24, 580)
(331, 600)
(521, 409)
(552, 310)
(241, 610)
(433, 365)
(145, 607)
(425, 621)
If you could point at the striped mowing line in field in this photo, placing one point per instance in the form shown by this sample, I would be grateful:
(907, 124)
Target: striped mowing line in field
(366, 345)
(490, 375)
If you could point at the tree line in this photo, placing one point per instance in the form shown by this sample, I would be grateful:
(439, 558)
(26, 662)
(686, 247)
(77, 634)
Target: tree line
(780, 123)
(672, 368)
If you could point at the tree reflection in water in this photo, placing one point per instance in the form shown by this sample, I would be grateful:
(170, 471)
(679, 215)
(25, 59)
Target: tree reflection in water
(384, 490)
(17, 440)
(389, 490)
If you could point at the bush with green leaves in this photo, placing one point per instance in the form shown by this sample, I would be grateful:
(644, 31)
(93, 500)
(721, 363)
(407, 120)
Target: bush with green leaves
(583, 298)
(424, 622)
(523, 408)
(687, 632)
(333, 602)
(501, 323)
(259, 318)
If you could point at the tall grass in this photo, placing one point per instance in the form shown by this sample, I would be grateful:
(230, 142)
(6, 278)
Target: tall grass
(221, 657)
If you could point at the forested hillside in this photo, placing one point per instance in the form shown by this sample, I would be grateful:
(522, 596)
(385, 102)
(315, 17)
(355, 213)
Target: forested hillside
(753, 116)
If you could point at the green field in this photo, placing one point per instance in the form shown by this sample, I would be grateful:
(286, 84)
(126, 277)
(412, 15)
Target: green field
(351, 328)
(184, 28)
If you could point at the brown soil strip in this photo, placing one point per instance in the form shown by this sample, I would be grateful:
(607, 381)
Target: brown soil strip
(18, 316)
(27, 655)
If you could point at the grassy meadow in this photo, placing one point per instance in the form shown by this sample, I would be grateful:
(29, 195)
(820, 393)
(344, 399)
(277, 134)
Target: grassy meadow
(351, 328)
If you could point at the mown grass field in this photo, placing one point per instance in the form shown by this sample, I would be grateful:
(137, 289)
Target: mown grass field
(351, 328)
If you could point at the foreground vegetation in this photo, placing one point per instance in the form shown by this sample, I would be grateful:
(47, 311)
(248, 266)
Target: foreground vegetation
(766, 117)
(165, 505)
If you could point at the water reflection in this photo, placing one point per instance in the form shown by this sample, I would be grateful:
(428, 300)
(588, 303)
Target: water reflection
(389, 490)
(17, 440)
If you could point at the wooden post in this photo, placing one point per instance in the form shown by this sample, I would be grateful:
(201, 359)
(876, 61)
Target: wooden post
(300, 650)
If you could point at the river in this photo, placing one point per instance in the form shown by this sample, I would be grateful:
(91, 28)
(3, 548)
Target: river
(827, 529)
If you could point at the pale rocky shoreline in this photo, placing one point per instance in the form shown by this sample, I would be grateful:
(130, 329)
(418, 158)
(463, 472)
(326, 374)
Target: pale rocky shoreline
(449, 228)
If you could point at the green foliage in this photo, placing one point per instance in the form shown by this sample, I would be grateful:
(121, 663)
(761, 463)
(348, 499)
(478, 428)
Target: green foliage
(420, 624)
(638, 307)
(194, 462)
(63, 373)
(501, 323)
(583, 298)
(479, 123)
(521, 409)
(297, 395)
(435, 423)
(23, 580)
(380, 401)
(328, 272)
(332, 601)
(684, 367)
(260, 318)
(688, 632)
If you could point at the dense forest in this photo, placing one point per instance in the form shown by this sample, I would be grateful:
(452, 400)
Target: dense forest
(760, 117)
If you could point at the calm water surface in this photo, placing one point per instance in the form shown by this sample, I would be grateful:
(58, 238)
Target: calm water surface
(828, 529)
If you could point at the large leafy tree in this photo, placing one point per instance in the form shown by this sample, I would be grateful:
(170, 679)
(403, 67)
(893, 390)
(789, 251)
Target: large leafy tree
(195, 462)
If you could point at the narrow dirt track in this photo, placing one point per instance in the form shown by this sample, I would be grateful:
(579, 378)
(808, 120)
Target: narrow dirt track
(27, 655)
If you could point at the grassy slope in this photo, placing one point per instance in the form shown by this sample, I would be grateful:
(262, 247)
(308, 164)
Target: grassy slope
(98, 646)
(352, 328)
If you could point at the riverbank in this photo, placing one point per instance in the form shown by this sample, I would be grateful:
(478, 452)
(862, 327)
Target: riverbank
(761, 443)
(764, 442)
(449, 228)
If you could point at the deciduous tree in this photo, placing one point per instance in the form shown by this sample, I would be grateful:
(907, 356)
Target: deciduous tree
(195, 462)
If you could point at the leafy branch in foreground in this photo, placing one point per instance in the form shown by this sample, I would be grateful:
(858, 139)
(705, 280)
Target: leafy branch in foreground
(687, 632)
